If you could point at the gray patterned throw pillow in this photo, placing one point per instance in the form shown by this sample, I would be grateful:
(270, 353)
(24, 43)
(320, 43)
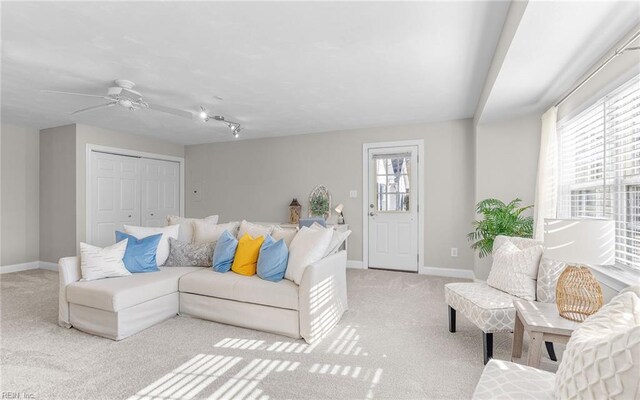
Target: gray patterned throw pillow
(183, 254)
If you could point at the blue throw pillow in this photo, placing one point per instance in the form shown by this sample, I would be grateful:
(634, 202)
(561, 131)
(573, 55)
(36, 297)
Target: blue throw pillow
(272, 261)
(224, 252)
(140, 255)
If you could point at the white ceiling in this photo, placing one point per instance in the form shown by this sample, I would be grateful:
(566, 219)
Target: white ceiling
(281, 68)
(554, 46)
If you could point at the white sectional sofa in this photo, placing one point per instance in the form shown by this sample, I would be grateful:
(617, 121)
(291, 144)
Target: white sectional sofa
(116, 308)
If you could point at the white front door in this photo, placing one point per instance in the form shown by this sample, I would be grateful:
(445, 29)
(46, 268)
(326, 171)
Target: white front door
(115, 195)
(160, 191)
(393, 208)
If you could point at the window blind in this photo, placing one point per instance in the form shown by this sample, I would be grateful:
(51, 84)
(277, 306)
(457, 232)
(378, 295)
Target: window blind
(599, 167)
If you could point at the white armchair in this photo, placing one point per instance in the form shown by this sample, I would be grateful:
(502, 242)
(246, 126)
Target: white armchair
(490, 309)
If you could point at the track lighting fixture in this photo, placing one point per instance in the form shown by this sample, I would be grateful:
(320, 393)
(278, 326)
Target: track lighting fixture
(234, 126)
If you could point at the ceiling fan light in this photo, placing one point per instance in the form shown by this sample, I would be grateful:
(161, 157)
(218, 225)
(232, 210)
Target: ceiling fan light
(203, 115)
(236, 135)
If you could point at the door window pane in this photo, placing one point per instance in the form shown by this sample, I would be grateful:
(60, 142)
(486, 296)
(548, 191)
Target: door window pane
(392, 183)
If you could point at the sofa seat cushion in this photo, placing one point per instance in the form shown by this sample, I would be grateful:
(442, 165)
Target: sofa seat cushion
(115, 294)
(507, 380)
(489, 309)
(248, 289)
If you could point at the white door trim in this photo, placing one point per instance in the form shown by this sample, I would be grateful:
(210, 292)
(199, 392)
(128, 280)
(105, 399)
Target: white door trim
(365, 191)
(123, 152)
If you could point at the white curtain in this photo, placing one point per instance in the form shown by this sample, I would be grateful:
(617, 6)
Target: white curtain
(547, 181)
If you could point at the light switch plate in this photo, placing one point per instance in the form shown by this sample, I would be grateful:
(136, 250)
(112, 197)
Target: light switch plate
(353, 194)
(454, 252)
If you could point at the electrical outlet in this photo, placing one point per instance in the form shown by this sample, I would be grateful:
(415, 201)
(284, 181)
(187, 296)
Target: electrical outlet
(353, 194)
(454, 252)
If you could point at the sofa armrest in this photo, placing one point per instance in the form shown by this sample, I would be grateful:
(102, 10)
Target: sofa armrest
(69, 271)
(323, 296)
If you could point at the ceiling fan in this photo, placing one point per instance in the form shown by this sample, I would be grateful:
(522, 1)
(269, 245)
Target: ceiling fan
(123, 94)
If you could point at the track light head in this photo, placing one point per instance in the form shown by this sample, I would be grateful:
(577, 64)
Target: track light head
(203, 114)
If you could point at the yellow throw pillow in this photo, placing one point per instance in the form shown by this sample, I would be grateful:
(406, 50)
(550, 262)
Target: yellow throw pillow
(246, 260)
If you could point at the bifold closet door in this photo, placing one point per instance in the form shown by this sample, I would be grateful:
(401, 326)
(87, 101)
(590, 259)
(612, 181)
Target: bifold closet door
(160, 191)
(115, 195)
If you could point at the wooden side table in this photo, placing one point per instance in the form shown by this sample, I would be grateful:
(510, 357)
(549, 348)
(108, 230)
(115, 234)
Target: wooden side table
(543, 323)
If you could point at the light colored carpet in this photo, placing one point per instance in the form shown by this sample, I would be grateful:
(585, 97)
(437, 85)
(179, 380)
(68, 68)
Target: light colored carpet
(392, 343)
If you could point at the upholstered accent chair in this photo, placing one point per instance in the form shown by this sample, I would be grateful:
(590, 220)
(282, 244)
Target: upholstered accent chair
(601, 361)
(490, 309)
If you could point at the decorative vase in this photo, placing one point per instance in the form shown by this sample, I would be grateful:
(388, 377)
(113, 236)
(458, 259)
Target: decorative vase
(295, 210)
(578, 293)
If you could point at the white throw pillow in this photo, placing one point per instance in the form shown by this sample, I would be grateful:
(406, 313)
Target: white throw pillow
(307, 247)
(602, 358)
(254, 230)
(515, 271)
(186, 225)
(141, 232)
(205, 232)
(548, 274)
(337, 238)
(99, 263)
(287, 234)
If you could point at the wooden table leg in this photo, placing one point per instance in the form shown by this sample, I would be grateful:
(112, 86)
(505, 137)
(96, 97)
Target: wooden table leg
(518, 337)
(535, 349)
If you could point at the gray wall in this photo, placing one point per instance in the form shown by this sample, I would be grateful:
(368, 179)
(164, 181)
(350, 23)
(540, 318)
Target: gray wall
(57, 193)
(20, 195)
(506, 163)
(256, 180)
(63, 181)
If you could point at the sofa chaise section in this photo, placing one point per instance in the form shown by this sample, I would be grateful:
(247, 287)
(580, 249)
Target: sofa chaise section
(116, 308)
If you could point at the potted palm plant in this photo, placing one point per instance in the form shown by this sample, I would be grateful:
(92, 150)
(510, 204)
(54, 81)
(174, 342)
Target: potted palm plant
(499, 219)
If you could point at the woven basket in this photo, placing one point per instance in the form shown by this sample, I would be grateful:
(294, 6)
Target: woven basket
(578, 293)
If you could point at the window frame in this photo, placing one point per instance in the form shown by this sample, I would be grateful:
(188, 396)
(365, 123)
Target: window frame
(591, 156)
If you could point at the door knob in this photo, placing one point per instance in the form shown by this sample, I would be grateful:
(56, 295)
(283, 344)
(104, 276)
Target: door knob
(152, 214)
(371, 214)
(129, 216)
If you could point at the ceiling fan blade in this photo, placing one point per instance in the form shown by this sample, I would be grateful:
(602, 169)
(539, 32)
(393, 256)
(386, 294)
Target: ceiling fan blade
(172, 111)
(76, 94)
(98, 107)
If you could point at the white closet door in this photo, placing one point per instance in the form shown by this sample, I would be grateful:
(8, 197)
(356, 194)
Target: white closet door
(160, 191)
(115, 195)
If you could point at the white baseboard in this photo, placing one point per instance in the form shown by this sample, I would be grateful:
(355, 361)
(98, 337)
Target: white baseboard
(5, 269)
(447, 272)
(357, 264)
(48, 266)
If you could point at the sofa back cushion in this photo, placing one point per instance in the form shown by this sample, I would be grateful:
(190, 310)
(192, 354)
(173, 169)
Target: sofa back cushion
(254, 230)
(602, 358)
(140, 255)
(284, 233)
(272, 261)
(185, 233)
(515, 270)
(224, 252)
(206, 232)
(245, 261)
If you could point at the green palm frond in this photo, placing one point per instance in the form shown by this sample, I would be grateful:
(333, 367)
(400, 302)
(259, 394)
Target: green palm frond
(499, 219)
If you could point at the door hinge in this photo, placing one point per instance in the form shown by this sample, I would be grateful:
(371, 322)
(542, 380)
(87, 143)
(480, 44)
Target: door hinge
(418, 258)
